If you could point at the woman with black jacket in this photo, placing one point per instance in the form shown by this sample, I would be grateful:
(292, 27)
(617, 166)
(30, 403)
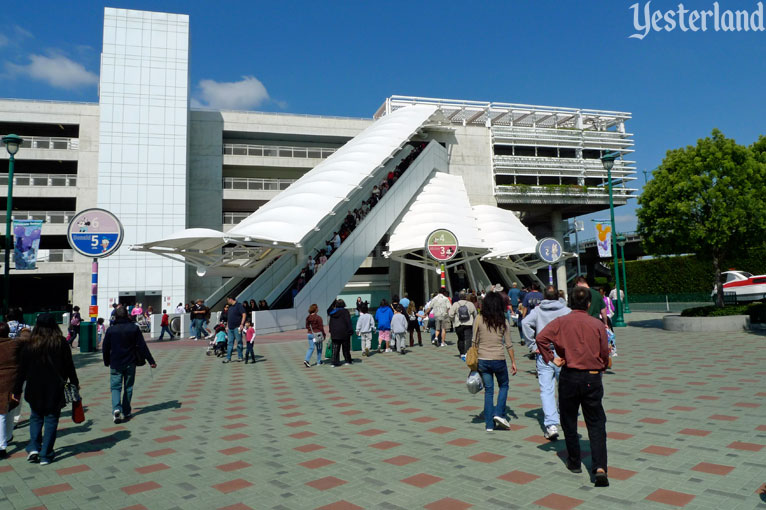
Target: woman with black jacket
(340, 331)
(45, 363)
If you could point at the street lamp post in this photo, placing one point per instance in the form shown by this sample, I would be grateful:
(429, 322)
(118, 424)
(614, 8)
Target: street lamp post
(608, 161)
(12, 144)
(621, 240)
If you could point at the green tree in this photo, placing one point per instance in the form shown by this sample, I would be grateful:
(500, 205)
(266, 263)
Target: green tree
(708, 199)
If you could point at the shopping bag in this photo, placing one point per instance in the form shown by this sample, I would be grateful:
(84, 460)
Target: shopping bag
(78, 413)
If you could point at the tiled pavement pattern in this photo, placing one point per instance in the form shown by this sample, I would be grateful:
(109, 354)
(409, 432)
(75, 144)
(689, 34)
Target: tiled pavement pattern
(687, 427)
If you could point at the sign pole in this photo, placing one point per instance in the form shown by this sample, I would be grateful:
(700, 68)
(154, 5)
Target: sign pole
(444, 277)
(94, 291)
(550, 274)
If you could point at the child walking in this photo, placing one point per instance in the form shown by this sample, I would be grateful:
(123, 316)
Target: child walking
(364, 328)
(100, 330)
(399, 328)
(165, 323)
(250, 338)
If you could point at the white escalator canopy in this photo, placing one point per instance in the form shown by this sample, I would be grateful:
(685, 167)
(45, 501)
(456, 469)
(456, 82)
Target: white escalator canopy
(286, 220)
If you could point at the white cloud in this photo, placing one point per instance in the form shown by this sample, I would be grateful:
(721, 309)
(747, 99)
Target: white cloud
(247, 93)
(55, 70)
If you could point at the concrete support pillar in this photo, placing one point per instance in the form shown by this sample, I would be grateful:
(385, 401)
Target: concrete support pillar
(560, 277)
(401, 280)
(426, 286)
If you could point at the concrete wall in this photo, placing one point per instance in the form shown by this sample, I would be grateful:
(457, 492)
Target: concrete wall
(205, 189)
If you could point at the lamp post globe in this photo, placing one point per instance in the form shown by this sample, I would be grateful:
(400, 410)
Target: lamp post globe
(12, 145)
(608, 161)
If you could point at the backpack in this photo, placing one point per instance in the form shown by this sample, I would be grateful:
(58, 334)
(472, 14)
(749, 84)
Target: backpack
(462, 313)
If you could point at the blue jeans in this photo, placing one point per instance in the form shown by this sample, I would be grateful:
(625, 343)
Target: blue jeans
(197, 328)
(498, 368)
(36, 422)
(235, 336)
(165, 329)
(547, 377)
(313, 346)
(122, 385)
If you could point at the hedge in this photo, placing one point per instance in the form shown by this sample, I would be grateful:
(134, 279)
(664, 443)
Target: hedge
(756, 311)
(686, 274)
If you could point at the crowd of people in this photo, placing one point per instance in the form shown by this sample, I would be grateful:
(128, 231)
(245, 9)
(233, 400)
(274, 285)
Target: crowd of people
(572, 343)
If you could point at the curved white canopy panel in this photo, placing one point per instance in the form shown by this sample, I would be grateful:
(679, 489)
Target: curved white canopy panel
(296, 211)
(443, 203)
(503, 231)
(198, 239)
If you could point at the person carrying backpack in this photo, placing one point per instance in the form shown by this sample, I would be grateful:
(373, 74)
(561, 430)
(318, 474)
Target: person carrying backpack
(463, 313)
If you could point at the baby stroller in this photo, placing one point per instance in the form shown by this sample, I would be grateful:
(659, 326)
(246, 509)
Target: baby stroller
(143, 324)
(217, 345)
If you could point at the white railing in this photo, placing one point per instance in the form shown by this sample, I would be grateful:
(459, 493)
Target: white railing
(531, 165)
(233, 218)
(40, 180)
(561, 191)
(573, 138)
(277, 151)
(257, 184)
(56, 217)
(50, 142)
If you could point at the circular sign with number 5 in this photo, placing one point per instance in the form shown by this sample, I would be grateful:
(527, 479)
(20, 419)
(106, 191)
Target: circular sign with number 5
(441, 245)
(95, 233)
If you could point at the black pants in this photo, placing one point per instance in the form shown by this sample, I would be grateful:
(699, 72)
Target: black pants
(345, 344)
(412, 326)
(581, 388)
(464, 338)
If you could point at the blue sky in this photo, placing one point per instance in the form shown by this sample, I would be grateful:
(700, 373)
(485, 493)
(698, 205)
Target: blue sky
(345, 58)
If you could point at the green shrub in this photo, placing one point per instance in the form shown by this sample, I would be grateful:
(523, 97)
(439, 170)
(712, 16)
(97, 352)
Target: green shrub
(756, 311)
(687, 274)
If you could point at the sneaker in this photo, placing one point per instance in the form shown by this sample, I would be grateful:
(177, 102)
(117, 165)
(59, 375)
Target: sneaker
(462, 357)
(226, 361)
(601, 480)
(44, 462)
(490, 430)
(117, 416)
(388, 350)
(33, 457)
(443, 345)
(501, 422)
(402, 351)
(306, 363)
(551, 432)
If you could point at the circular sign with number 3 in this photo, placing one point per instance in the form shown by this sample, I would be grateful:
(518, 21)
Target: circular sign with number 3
(441, 245)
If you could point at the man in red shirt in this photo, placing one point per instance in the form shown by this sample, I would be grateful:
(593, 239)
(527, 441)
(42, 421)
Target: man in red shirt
(583, 353)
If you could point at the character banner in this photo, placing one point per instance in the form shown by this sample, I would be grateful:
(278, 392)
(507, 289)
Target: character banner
(26, 242)
(604, 240)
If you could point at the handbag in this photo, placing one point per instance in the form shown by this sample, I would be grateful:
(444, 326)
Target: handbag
(328, 350)
(71, 393)
(318, 337)
(472, 355)
(78, 413)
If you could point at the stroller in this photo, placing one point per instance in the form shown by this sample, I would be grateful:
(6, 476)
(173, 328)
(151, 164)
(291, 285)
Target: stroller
(143, 324)
(217, 345)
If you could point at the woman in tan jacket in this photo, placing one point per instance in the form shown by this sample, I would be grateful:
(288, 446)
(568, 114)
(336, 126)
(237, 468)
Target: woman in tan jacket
(492, 338)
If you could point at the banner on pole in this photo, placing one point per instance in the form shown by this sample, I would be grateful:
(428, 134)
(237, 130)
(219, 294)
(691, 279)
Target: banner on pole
(26, 242)
(604, 240)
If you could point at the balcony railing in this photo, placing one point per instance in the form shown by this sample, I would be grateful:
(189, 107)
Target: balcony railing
(277, 151)
(233, 218)
(40, 180)
(571, 167)
(571, 191)
(573, 138)
(50, 142)
(43, 256)
(257, 184)
(55, 217)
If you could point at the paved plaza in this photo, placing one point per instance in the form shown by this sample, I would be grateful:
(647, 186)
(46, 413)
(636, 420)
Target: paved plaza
(686, 428)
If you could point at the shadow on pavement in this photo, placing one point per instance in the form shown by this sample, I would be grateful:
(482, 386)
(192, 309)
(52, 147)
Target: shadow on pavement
(479, 418)
(649, 324)
(170, 404)
(538, 415)
(94, 445)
